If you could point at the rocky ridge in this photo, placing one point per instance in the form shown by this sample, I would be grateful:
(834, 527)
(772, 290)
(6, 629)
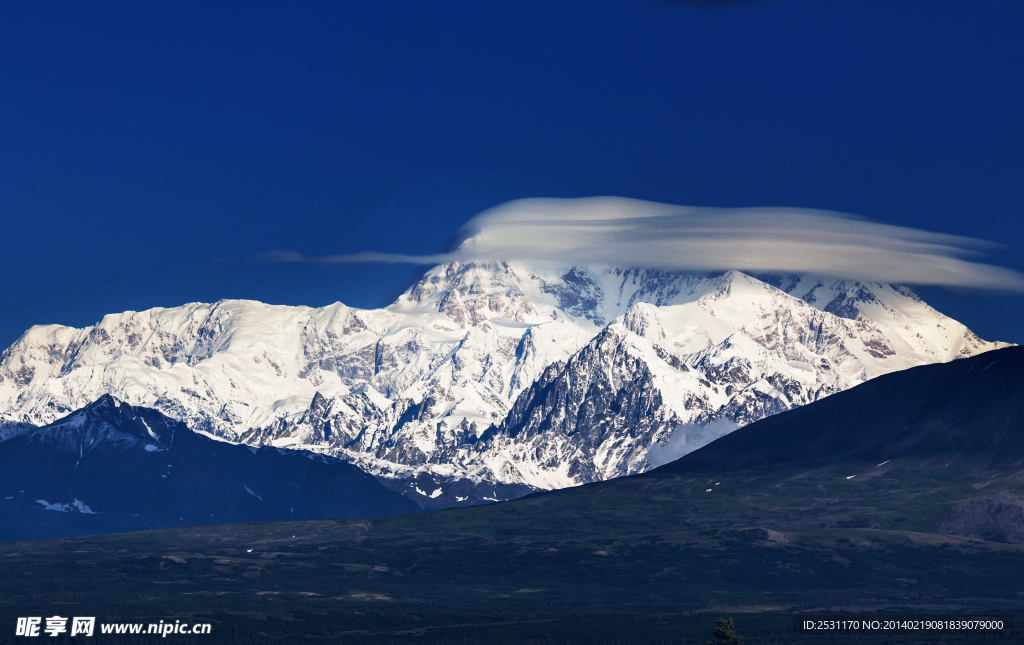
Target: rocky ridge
(499, 376)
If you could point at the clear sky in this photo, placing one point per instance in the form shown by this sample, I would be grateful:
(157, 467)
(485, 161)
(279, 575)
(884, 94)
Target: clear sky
(149, 152)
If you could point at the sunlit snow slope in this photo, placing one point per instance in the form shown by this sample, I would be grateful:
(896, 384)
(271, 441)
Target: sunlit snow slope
(489, 372)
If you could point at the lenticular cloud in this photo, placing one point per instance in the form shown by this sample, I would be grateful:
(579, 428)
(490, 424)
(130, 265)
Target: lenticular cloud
(633, 233)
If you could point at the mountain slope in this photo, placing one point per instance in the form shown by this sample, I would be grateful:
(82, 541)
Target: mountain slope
(640, 383)
(408, 392)
(112, 467)
(969, 412)
(794, 514)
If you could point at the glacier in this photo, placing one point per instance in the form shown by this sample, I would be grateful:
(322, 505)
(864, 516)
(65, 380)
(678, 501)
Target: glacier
(489, 373)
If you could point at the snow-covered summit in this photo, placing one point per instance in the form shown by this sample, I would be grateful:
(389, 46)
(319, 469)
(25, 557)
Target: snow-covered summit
(413, 387)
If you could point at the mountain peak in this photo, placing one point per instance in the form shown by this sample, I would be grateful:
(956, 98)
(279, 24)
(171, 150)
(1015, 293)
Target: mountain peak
(470, 293)
(101, 474)
(108, 420)
(394, 389)
(105, 402)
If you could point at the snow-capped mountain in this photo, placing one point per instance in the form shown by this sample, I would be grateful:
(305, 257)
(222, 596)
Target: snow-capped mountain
(490, 374)
(655, 375)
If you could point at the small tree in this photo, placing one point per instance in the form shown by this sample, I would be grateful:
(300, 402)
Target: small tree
(724, 634)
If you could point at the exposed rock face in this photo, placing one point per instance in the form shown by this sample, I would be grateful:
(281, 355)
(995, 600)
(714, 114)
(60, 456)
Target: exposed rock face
(489, 373)
(10, 429)
(588, 420)
(963, 415)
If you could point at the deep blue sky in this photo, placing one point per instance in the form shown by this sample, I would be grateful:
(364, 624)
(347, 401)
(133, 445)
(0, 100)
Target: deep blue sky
(149, 151)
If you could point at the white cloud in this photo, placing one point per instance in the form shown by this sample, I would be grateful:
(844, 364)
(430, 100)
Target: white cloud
(627, 232)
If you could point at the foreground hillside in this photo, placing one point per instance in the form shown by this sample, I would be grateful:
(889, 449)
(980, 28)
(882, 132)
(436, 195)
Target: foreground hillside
(650, 558)
(635, 560)
(111, 467)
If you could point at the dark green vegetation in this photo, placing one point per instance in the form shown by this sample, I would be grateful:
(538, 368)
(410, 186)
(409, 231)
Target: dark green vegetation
(725, 634)
(645, 559)
(901, 496)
